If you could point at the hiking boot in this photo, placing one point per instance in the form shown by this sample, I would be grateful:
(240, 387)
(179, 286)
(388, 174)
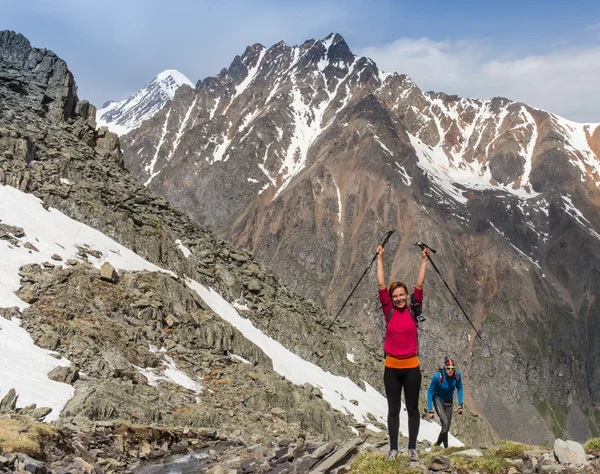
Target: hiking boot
(393, 454)
(412, 455)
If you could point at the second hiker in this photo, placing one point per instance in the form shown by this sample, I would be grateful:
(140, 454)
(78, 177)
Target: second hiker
(441, 394)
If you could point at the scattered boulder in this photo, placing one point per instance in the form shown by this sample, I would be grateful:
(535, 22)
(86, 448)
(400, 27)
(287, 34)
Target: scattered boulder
(30, 465)
(68, 374)
(440, 463)
(9, 402)
(569, 452)
(108, 273)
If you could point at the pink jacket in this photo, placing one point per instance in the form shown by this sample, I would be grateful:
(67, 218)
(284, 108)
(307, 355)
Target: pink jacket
(401, 332)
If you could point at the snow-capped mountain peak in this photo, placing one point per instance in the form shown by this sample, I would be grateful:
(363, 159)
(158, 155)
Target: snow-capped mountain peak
(126, 115)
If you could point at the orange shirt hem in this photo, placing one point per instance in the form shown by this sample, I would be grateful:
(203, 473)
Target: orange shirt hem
(395, 363)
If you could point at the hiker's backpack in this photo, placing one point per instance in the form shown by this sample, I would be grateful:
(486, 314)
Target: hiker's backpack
(441, 371)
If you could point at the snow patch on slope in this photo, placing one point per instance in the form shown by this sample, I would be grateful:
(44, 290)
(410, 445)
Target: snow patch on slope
(25, 366)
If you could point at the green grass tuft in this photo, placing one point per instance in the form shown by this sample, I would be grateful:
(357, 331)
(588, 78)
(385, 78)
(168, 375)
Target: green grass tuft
(21, 434)
(592, 446)
(510, 449)
(374, 463)
(488, 463)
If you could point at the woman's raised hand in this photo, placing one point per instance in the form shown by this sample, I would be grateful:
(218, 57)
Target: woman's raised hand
(380, 250)
(424, 253)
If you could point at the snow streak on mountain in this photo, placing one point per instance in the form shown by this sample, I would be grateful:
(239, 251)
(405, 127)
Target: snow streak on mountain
(126, 115)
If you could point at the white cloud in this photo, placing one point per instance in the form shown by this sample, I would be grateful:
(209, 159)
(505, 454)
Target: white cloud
(564, 81)
(428, 62)
(594, 27)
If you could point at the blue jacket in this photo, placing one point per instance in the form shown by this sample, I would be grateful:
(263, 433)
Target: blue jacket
(444, 390)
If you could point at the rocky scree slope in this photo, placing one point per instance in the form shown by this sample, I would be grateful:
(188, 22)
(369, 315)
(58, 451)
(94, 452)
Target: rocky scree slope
(306, 155)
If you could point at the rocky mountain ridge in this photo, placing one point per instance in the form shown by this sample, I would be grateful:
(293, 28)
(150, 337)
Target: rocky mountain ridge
(306, 155)
(126, 115)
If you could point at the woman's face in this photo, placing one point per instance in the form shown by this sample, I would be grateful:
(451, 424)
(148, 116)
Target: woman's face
(399, 297)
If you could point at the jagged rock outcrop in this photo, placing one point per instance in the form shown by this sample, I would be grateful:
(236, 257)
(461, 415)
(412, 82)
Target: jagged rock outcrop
(57, 93)
(306, 155)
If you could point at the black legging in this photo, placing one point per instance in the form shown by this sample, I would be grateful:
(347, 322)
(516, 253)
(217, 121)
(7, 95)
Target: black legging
(444, 411)
(394, 380)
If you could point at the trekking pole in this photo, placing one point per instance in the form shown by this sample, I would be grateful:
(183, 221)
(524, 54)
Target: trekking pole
(422, 246)
(386, 237)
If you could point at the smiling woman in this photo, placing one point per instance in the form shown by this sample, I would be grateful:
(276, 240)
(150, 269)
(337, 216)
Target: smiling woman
(401, 347)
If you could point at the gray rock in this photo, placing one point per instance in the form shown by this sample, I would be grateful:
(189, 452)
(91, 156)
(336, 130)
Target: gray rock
(108, 273)
(9, 402)
(253, 285)
(239, 257)
(569, 452)
(27, 464)
(39, 413)
(440, 463)
(323, 450)
(30, 246)
(339, 457)
(68, 374)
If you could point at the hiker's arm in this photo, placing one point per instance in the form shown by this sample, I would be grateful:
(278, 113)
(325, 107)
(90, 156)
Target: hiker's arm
(422, 268)
(432, 385)
(459, 391)
(430, 391)
(380, 274)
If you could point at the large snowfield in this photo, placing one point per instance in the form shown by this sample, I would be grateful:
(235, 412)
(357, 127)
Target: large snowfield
(24, 366)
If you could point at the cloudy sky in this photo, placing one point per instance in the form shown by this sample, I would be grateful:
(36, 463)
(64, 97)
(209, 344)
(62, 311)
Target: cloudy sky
(544, 53)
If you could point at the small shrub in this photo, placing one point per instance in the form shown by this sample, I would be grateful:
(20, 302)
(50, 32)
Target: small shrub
(592, 446)
(492, 464)
(510, 449)
(374, 463)
(24, 435)
(488, 463)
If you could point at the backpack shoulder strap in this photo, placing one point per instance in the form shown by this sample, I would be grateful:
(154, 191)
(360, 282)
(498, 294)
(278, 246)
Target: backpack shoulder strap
(441, 371)
(413, 315)
(414, 309)
(389, 316)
